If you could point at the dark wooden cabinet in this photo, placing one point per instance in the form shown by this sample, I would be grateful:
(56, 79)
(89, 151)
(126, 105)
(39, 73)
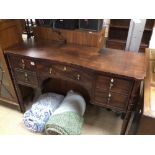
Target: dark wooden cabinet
(118, 33)
(108, 76)
(147, 33)
(10, 34)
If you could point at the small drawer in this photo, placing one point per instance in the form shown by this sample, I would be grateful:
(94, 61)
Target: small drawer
(26, 77)
(73, 73)
(112, 99)
(117, 85)
(23, 63)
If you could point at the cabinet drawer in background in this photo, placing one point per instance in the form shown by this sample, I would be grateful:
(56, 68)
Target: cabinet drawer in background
(115, 44)
(26, 77)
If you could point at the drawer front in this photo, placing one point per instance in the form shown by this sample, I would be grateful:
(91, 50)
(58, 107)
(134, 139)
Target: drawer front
(112, 99)
(26, 77)
(23, 63)
(104, 83)
(115, 45)
(66, 72)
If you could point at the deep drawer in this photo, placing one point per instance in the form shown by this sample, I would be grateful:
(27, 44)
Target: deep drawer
(104, 83)
(112, 99)
(26, 77)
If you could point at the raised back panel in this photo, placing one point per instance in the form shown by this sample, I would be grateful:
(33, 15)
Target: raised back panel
(86, 38)
(10, 33)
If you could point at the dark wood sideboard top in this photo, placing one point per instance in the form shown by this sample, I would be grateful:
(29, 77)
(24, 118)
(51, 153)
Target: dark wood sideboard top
(105, 60)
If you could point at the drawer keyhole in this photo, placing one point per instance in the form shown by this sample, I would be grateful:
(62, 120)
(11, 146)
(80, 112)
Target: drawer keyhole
(50, 70)
(78, 77)
(111, 85)
(23, 64)
(109, 97)
(65, 68)
(26, 77)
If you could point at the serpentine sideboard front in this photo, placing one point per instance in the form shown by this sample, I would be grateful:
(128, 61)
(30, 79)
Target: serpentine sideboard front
(111, 77)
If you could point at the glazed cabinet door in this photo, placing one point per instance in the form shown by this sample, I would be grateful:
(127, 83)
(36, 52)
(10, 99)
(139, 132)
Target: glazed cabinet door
(7, 91)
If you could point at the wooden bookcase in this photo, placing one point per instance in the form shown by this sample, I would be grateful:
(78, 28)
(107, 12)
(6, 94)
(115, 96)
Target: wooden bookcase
(118, 33)
(146, 35)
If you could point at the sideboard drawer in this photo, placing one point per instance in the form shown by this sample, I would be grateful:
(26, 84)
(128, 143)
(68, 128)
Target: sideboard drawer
(23, 63)
(105, 83)
(26, 77)
(112, 99)
(66, 72)
(74, 74)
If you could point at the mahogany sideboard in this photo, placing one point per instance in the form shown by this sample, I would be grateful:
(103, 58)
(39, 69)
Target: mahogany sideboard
(111, 77)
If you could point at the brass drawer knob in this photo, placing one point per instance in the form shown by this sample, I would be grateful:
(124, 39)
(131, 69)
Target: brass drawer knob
(50, 70)
(65, 68)
(78, 77)
(112, 80)
(109, 97)
(32, 63)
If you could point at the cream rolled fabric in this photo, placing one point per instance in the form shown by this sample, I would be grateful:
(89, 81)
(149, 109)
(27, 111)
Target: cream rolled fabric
(73, 102)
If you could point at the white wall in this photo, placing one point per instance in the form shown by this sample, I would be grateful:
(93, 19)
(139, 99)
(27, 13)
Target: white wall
(152, 41)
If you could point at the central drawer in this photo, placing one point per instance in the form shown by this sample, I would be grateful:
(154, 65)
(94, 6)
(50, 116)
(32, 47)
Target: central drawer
(26, 77)
(66, 72)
